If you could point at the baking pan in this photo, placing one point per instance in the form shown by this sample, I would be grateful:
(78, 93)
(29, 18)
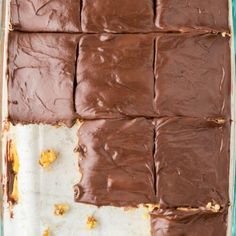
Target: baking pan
(40, 189)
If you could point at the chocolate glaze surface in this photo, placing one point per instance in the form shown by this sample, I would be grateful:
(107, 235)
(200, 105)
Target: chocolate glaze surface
(117, 16)
(116, 162)
(192, 76)
(192, 162)
(45, 15)
(41, 76)
(182, 15)
(115, 76)
(189, 223)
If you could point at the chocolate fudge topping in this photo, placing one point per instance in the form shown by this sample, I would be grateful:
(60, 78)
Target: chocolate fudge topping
(179, 160)
(115, 76)
(182, 15)
(192, 75)
(116, 162)
(45, 15)
(192, 162)
(41, 76)
(189, 223)
(117, 16)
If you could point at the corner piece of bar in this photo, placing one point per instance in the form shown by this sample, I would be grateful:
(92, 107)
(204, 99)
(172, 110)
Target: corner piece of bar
(192, 162)
(41, 78)
(193, 75)
(180, 15)
(116, 162)
(191, 223)
(45, 16)
(115, 76)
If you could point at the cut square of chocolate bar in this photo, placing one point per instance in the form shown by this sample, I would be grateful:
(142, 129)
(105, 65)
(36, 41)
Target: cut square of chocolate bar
(193, 76)
(115, 76)
(116, 162)
(45, 15)
(188, 222)
(175, 15)
(192, 162)
(117, 16)
(41, 77)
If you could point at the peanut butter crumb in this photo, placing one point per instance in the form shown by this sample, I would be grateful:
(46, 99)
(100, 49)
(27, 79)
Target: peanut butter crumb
(61, 209)
(10, 27)
(46, 232)
(152, 207)
(91, 222)
(212, 207)
(187, 209)
(15, 193)
(219, 121)
(223, 34)
(14, 164)
(47, 158)
(209, 204)
(13, 156)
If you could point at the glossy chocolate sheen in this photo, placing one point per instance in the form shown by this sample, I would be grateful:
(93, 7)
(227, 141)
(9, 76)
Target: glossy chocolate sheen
(116, 162)
(188, 223)
(193, 75)
(192, 162)
(41, 77)
(182, 15)
(115, 76)
(45, 15)
(117, 16)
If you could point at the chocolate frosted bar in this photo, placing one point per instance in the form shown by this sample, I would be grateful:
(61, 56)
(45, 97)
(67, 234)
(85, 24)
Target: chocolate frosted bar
(182, 15)
(192, 162)
(116, 162)
(41, 75)
(189, 223)
(193, 75)
(115, 76)
(117, 16)
(120, 16)
(45, 15)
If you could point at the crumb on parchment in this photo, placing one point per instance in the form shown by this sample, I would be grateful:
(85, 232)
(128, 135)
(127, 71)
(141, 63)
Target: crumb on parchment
(46, 232)
(61, 209)
(47, 157)
(13, 156)
(13, 165)
(91, 222)
(15, 193)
